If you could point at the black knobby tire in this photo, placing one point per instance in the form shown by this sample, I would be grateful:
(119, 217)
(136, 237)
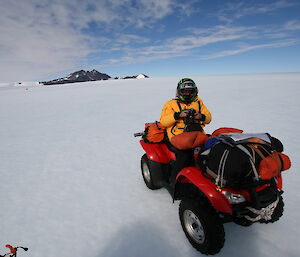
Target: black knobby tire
(242, 221)
(201, 226)
(278, 212)
(147, 173)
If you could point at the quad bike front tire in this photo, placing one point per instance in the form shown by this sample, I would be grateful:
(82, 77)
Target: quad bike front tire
(242, 221)
(278, 212)
(147, 173)
(201, 226)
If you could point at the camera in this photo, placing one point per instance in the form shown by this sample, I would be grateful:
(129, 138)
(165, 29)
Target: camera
(189, 121)
(190, 118)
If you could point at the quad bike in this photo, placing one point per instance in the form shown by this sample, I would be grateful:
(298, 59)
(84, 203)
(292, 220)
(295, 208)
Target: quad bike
(205, 206)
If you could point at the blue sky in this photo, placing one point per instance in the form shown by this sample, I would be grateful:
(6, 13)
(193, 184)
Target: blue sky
(47, 39)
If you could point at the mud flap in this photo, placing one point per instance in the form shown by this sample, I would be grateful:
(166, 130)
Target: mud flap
(160, 172)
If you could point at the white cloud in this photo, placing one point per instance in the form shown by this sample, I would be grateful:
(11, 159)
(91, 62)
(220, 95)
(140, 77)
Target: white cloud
(195, 41)
(292, 25)
(42, 37)
(129, 38)
(237, 10)
(249, 48)
(34, 42)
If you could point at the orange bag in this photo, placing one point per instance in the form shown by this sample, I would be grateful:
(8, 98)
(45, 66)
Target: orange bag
(271, 166)
(272, 163)
(154, 132)
(220, 131)
(285, 161)
(189, 140)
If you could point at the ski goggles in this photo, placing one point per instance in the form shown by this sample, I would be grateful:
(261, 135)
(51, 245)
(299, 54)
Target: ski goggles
(187, 85)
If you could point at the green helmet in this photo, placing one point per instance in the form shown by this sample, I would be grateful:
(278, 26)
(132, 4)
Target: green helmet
(187, 90)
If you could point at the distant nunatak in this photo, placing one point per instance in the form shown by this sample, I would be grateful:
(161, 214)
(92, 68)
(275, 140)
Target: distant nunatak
(83, 76)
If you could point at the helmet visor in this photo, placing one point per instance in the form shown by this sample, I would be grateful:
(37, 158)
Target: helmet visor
(187, 91)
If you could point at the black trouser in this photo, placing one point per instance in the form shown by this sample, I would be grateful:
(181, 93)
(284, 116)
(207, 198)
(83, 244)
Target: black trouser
(184, 158)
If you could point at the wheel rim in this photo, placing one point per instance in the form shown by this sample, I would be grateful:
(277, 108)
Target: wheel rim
(193, 226)
(146, 172)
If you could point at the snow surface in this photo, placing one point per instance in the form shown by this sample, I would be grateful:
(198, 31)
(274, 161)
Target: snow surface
(141, 76)
(70, 166)
(21, 84)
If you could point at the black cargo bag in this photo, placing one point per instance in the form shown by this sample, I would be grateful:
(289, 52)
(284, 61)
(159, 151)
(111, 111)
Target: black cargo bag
(231, 162)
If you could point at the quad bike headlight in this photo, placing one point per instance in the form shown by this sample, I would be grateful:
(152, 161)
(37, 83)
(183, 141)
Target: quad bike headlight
(234, 198)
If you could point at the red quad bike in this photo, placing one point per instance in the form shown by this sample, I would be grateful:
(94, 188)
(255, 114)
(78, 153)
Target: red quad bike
(205, 205)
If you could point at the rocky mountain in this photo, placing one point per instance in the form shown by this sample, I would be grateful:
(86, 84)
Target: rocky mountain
(79, 76)
(82, 76)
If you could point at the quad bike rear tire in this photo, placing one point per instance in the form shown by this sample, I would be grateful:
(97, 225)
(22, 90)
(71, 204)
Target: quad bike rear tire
(201, 226)
(147, 173)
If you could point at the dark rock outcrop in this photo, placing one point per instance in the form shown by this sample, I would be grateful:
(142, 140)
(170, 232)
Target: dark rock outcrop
(83, 76)
(79, 76)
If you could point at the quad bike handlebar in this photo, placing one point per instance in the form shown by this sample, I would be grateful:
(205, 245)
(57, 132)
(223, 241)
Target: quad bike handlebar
(139, 134)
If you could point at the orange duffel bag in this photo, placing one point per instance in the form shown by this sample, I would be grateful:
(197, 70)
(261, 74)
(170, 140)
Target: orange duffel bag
(154, 132)
(272, 163)
(189, 140)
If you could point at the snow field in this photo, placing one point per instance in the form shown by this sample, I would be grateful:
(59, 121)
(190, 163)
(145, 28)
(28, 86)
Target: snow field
(70, 166)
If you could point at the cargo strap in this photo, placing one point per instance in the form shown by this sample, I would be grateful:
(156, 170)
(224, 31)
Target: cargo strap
(213, 175)
(180, 109)
(244, 149)
(222, 168)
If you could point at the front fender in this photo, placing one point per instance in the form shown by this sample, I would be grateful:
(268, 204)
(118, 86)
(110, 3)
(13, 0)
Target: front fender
(158, 152)
(217, 199)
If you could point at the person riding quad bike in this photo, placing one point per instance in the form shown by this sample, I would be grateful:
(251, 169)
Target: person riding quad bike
(233, 180)
(184, 118)
(232, 176)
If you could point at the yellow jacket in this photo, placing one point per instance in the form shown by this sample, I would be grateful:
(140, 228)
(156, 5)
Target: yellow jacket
(176, 127)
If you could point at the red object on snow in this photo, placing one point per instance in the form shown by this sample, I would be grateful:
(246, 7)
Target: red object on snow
(11, 248)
